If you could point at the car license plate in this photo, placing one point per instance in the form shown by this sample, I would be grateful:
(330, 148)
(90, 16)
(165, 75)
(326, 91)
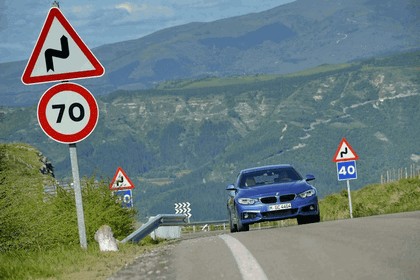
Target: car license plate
(279, 206)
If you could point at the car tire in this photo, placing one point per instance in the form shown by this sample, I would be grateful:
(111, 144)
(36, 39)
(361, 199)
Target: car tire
(232, 226)
(308, 219)
(240, 226)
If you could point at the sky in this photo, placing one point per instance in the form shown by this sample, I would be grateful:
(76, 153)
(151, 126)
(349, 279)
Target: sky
(108, 21)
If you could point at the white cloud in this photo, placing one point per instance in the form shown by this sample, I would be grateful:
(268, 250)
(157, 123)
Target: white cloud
(145, 11)
(125, 6)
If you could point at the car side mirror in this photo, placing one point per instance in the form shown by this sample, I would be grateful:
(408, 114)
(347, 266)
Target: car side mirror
(309, 177)
(231, 187)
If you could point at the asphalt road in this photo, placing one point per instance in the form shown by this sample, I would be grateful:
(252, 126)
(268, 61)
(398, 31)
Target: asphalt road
(378, 247)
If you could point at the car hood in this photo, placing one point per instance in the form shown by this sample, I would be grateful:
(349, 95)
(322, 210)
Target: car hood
(295, 187)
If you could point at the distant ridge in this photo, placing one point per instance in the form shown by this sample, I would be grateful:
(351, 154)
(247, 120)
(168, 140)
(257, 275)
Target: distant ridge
(187, 139)
(289, 38)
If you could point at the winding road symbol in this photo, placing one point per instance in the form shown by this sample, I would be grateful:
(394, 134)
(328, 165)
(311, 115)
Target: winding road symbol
(60, 54)
(121, 181)
(63, 53)
(342, 153)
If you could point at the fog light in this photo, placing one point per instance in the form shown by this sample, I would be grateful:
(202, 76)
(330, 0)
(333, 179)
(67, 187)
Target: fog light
(312, 208)
(246, 216)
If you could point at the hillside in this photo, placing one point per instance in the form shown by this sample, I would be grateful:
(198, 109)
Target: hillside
(188, 139)
(289, 38)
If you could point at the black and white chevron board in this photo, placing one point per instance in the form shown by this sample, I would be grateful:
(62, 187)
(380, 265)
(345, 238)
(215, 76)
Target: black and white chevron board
(183, 208)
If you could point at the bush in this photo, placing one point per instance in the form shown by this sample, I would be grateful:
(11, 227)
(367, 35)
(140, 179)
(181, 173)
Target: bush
(31, 219)
(99, 206)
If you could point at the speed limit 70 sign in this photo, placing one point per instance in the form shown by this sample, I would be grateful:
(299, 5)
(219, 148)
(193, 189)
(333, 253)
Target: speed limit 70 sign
(346, 170)
(67, 113)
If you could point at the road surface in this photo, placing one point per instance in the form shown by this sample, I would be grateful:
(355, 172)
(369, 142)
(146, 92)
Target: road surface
(378, 247)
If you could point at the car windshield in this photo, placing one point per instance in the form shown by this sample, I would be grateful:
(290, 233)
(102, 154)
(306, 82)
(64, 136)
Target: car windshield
(269, 176)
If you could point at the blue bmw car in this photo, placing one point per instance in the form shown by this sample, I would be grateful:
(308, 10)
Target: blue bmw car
(270, 193)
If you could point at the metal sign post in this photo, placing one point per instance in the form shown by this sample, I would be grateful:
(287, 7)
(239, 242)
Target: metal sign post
(349, 194)
(346, 170)
(67, 112)
(346, 157)
(78, 196)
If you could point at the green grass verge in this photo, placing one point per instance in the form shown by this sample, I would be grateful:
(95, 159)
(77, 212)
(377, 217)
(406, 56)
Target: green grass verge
(70, 262)
(377, 199)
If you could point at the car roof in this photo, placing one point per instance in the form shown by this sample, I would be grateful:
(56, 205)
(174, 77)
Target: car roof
(274, 166)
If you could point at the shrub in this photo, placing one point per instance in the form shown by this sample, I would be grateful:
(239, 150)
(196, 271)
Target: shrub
(31, 219)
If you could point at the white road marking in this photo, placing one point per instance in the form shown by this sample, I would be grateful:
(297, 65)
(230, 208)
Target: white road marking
(247, 264)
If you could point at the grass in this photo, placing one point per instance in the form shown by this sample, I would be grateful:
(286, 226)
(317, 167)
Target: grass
(35, 236)
(70, 262)
(217, 81)
(377, 199)
(249, 79)
(75, 263)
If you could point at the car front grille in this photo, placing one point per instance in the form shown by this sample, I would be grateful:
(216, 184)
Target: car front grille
(269, 199)
(273, 199)
(287, 197)
(279, 213)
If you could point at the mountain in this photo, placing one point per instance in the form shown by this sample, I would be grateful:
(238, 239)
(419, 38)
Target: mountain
(187, 139)
(286, 39)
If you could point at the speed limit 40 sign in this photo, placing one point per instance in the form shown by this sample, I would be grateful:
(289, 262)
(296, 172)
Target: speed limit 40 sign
(346, 170)
(67, 113)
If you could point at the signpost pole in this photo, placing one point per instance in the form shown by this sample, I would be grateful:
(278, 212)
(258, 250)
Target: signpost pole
(67, 96)
(346, 157)
(78, 195)
(350, 204)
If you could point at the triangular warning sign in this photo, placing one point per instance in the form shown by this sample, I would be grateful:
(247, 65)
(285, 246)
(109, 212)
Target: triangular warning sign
(345, 152)
(60, 54)
(121, 181)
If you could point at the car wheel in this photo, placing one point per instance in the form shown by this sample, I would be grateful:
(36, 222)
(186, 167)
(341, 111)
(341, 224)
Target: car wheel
(308, 219)
(315, 218)
(242, 227)
(301, 220)
(232, 226)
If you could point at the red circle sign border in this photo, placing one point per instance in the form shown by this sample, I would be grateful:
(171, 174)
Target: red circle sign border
(67, 138)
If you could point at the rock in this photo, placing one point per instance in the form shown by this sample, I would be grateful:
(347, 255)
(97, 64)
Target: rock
(106, 240)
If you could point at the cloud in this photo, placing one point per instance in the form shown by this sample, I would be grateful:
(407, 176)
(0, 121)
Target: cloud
(126, 6)
(143, 11)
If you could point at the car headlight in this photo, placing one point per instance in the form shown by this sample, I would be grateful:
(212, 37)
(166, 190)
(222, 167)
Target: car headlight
(308, 193)
(247, 201)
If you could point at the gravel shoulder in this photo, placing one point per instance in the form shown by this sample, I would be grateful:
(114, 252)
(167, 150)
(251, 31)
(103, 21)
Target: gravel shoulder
(158, 262)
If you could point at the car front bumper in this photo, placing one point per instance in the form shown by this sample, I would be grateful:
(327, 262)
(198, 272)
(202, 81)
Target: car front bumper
(250, 214)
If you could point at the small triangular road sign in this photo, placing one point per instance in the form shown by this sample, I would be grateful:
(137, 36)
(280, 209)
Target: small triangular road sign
(60, 54)
(121, 181)
(345, 152)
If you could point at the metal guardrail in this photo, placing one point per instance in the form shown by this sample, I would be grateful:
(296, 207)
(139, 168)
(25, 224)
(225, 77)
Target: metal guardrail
(154, 223)
(208, 223)
(205, 225)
